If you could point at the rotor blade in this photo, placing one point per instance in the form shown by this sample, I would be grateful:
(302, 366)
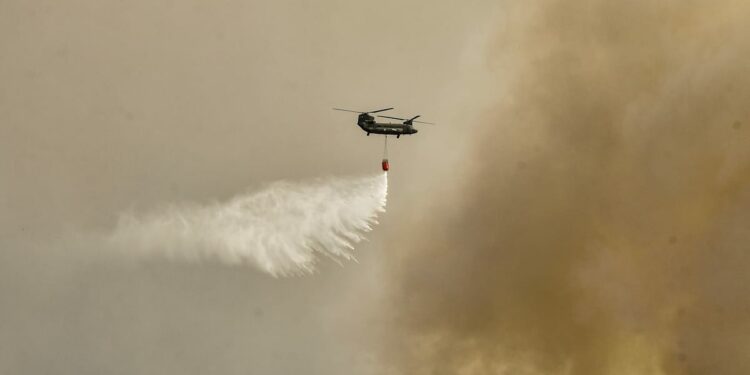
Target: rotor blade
(414, 118)
(347, 110)
(393, 118)
(381, 110)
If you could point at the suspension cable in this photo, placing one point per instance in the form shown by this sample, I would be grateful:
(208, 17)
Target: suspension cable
(385, 148)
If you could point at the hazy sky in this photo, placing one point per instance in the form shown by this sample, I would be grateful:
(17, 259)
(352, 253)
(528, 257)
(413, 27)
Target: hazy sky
(109, 106)
(579, 209)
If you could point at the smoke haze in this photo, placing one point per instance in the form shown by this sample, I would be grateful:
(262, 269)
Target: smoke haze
(604, 229)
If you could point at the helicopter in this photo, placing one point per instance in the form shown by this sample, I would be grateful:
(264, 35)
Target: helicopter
(369, 125)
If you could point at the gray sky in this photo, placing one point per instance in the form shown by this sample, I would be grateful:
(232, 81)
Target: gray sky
(109, 106)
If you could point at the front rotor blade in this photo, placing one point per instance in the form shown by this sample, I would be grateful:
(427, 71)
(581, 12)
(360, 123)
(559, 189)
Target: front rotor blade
(381, 110)
(422, 122)
(347, 110)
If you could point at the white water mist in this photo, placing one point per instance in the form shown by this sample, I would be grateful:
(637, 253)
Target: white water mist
(281, 229)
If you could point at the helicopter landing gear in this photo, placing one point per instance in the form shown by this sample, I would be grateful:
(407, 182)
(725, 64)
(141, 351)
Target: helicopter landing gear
(398, 136)
(368, 134)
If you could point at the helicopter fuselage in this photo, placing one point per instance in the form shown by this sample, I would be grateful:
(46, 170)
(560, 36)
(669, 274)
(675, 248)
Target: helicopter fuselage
(368, 124)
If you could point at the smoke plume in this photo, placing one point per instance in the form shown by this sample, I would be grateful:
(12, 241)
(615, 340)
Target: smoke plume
(281, 229)
(605, 229)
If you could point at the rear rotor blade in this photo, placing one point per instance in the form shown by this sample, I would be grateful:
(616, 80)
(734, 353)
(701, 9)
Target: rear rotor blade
(410, 120)
(393, 118)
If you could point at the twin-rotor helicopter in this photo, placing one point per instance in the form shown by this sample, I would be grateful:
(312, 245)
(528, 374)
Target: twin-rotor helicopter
(368, 124)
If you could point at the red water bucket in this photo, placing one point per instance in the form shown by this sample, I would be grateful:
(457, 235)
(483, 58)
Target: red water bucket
(386, 166)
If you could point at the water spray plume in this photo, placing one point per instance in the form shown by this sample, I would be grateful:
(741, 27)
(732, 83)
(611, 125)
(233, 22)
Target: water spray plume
(281, 229)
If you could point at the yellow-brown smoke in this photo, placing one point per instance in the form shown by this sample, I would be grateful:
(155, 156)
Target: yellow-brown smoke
(605, 229)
